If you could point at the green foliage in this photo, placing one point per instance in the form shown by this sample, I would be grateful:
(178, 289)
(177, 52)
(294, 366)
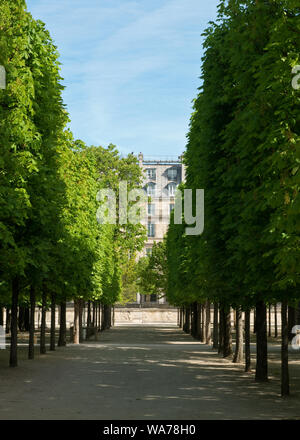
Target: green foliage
(152, 271)
(49, 234)
(129, 280)
(19, 138)
(243, 149)
(98, 252)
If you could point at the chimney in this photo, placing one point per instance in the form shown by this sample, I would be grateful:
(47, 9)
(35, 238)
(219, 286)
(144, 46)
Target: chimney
(141, 159)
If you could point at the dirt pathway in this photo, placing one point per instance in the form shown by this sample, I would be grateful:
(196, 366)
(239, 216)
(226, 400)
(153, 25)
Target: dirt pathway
(138, 373)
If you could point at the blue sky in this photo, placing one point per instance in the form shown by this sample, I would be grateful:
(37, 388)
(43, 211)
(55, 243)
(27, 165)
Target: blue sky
(131, 68)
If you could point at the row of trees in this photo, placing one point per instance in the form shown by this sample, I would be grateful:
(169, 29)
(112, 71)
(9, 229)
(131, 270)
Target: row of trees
(243, 149)
(52, 249)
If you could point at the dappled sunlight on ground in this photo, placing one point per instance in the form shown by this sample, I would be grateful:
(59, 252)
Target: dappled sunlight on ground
(142, 373)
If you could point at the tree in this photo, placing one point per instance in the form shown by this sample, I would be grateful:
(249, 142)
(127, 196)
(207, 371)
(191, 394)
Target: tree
(152, 275)
(242, 150)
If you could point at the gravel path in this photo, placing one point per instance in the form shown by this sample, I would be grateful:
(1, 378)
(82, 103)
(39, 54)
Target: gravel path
(136, 373)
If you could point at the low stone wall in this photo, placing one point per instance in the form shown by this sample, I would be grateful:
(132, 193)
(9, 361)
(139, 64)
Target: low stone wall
(123, 316)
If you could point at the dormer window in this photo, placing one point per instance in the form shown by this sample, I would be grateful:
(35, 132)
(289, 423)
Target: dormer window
(151, 189)
(171, 189)
(151, 173)
(172, 173)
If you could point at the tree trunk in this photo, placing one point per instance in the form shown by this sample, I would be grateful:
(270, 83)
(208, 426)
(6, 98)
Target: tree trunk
(43, 323)
(76, 322)
(227, 351)
(80, 320)
(198, 323)
(90, 329)
(207, 324)
(1, 316)
(89, 316)
(216, 327)
(27, 319)
(221, 331)
(94, 320)
(101, 316)
(254, 321)
(183, 318)
(109, 316)
(8, 320)
(292, 318)
(106, 317)
(270, 320)
(247, 341)
(203, 316)
(187, 320)
(261, 374)
(31, 323)
(239, 355)
(285, 382)
(21, 319)
(103, 321)
(194, 309)
(13, 361)
(53, 323)
(62, 339)
(94, 316)
(275, 321)
(192, 319)
(180, 317)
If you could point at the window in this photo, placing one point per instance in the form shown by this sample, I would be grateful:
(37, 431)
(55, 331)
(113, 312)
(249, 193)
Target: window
(172, 189)
(153, 297)
(151, 209)
(148, 252)
(172, 173)
(151, 173)
(151, 230)
(172, 206)
(151, 189)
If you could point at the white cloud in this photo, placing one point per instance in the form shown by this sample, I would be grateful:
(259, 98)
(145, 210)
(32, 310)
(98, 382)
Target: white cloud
(131, 67)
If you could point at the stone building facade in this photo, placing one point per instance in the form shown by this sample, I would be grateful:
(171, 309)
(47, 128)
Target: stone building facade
(162, 175)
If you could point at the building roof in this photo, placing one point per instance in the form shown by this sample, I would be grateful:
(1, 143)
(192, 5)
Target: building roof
(159, 160)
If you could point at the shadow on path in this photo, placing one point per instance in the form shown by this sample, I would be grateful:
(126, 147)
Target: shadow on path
(138, 373)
